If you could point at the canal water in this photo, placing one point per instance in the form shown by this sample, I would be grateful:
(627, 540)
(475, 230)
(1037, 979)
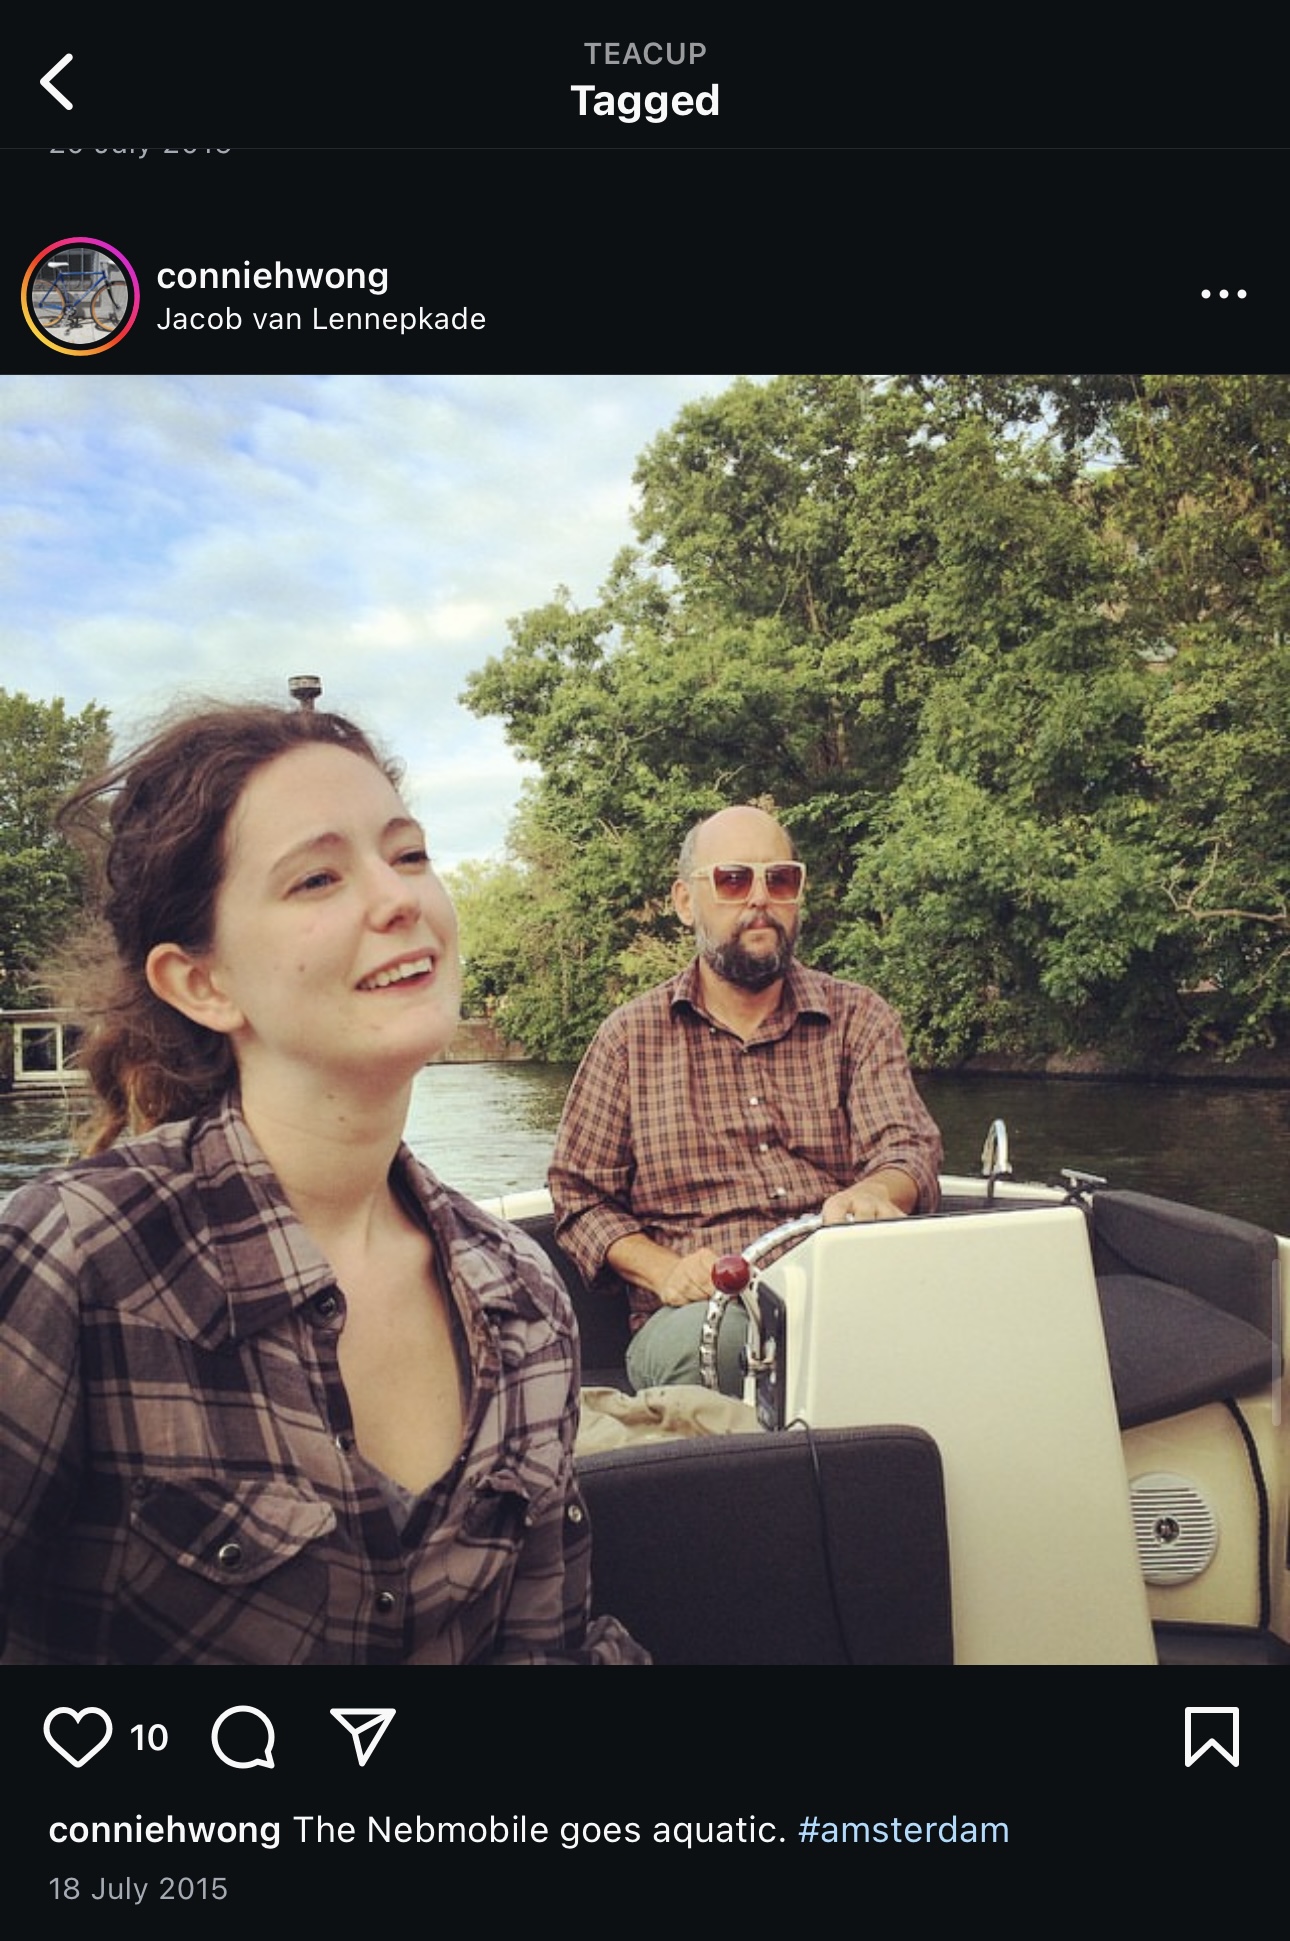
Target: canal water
(487, 1129)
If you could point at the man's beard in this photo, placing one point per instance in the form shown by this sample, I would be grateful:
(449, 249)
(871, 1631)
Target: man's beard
(736, 964)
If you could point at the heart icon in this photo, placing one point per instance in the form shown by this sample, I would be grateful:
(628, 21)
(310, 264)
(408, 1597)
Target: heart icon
(66, 1712)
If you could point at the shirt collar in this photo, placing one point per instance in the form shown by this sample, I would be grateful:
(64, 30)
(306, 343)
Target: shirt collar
(467, 1237)
(805, 992)
(268, 1264)
(216, 1253)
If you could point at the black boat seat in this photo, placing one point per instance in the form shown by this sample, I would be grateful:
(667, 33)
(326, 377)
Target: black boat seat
(737, 1550)
(1190, 1304)
(600, 1309)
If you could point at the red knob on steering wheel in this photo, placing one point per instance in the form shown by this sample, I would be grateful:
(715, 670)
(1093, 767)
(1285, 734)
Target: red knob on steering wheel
(730, 1274)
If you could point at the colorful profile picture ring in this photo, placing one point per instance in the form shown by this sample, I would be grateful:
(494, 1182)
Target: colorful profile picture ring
(80, 296)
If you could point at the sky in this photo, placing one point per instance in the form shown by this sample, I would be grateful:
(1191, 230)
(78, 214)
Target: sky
(167, 537)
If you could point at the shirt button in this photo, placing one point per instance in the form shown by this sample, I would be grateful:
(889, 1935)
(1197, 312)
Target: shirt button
(326, 1307)
(385, 1602)
(763, 1147)
(754, 1101)
(229, 1556)
(344, 1443)
(574, 1513)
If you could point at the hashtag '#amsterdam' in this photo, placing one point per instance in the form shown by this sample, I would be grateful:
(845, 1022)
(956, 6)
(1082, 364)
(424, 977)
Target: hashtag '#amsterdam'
(809, 1827)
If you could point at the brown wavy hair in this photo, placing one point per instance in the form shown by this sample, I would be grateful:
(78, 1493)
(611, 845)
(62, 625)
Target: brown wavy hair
(164, 853)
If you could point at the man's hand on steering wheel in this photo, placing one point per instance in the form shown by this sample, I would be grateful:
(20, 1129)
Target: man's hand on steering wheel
(886, 1195)
(690, 1279)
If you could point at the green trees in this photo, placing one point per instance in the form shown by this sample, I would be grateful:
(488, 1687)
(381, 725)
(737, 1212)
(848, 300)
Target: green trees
(44, 752)
(1206, 499)
(1010, 655)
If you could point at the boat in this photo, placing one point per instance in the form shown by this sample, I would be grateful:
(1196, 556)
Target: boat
(1041, 1426)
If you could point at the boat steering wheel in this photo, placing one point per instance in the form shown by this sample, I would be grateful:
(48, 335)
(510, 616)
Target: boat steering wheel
(734, 1278)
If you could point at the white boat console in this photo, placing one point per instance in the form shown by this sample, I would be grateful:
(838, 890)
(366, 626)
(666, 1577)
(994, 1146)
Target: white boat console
(986, 1332)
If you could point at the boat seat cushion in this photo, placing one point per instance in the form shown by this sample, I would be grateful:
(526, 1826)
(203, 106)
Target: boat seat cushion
(739, 1550)
(1190, 1304)
(1170, 1351)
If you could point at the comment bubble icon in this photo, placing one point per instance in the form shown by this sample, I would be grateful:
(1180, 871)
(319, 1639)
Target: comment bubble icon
(264, 1758)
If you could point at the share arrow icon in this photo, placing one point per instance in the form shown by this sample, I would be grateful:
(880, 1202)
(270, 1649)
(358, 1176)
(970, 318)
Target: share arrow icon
(365, 1725)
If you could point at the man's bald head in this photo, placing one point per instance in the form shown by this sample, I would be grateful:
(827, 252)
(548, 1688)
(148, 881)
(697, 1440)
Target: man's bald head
(742, 834)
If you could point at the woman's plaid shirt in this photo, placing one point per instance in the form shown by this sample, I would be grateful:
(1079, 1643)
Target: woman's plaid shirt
(179, 1481)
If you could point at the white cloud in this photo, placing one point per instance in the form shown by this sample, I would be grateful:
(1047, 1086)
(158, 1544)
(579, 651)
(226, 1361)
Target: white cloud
(214, 535)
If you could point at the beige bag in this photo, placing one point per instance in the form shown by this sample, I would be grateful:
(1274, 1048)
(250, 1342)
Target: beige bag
(612, 1420)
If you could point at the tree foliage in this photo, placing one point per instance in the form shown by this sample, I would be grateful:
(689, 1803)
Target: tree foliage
(1010, 655)
(44, 752)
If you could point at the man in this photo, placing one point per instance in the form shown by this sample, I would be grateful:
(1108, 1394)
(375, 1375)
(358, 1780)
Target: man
(744, 1091)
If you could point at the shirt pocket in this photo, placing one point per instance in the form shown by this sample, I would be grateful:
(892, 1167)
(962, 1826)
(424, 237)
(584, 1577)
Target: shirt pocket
(482, 1550)
(814, 1127)
(525, 1489)
(220, 1573)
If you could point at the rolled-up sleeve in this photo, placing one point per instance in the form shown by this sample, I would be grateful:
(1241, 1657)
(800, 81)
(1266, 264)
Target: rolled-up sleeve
(890, 1124)
(547, 1617)
(594, 1164)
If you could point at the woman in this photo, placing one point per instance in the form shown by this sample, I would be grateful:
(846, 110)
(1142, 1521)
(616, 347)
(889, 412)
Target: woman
(272, 1394)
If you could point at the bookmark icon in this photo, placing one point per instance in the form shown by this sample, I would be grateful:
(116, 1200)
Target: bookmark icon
(365, 1725)
(1222, 1723)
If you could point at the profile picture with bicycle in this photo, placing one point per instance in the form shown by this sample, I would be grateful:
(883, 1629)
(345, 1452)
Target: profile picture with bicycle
(80, 296)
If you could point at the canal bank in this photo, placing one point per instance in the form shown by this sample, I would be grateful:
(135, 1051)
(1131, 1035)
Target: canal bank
(478, 1041)
(1262, 1066)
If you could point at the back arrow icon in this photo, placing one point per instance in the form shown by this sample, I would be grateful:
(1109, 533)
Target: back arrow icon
(47, 81)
